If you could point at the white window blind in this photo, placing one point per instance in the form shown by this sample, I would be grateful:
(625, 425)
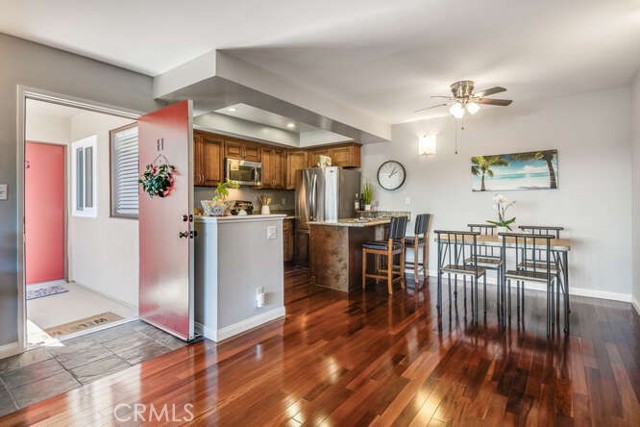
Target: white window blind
(124, 172)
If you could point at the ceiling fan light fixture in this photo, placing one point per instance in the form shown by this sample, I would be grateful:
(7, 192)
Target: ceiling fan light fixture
(473, 108)
(457, 110)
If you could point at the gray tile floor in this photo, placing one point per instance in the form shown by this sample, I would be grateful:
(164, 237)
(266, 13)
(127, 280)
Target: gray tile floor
(48, 371)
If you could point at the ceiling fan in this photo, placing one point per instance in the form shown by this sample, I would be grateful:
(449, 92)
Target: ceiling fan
(463, 99)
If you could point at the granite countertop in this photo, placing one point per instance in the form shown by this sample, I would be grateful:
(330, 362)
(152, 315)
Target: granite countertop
(238, 218)
(353, 222)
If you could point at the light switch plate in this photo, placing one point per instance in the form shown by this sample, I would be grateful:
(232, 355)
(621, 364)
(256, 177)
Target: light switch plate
(271, 232)
(3, 192)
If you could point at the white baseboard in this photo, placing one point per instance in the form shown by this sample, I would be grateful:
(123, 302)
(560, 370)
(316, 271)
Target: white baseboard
(583, 292)
(636, 305)
(10, 349)
(242, 326)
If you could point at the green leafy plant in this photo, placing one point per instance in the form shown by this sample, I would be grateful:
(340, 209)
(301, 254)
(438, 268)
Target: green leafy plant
(157, 180)
(501, 204)
(367, 193)
(222, 189)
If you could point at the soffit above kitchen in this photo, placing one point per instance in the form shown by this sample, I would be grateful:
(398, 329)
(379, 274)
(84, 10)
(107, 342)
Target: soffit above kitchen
(216, 82)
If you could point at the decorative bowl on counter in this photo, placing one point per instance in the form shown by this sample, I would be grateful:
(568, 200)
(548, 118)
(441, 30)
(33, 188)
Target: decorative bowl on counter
(217, 208)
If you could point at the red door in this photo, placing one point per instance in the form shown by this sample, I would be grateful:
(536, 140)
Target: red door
(166, 246)
(44, 212)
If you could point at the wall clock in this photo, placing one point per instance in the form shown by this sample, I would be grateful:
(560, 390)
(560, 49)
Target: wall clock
(391, 175)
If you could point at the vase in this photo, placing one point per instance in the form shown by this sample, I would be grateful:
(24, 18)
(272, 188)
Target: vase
(367, 207)
(265, 210)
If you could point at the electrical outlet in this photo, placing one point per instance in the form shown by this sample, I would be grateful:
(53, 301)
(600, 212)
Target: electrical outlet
(283, 201)
(407, 201)
(271, 232)
(3, 192)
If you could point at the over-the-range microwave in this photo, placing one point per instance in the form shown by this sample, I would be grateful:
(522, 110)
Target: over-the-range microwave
(244, 172)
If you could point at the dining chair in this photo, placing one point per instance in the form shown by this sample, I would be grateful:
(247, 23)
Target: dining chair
(419, 240)
(389, 249)
(454, 248)
(534, 248)
(489, 258)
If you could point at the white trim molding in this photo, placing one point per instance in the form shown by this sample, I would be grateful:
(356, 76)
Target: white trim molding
(242, 326)
(582, 292)
(12, 349)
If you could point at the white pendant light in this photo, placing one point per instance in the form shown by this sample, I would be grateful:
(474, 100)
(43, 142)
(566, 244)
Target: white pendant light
(427, 145)
(457, 110)
(473, 108)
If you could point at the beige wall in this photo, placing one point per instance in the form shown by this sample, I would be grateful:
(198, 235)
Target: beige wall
(635, 122)
(33, 65)
(592, 135)
(103, 251)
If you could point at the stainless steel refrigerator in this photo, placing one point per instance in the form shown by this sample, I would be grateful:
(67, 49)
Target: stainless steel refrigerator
(322, 194)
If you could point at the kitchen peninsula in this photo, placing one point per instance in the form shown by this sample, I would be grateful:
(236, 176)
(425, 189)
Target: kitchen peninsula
(227, 292)
(336, 250)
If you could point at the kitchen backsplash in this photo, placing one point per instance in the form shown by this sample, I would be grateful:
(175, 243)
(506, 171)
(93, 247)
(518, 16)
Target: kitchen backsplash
(281, 200)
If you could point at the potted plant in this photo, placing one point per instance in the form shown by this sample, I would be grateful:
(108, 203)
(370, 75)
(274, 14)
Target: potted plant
(367, 196)
(501, 204)
(219, 206)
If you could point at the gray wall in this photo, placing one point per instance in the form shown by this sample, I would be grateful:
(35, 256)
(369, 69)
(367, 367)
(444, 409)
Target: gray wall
(592, 133)
(635, 123)
(40, 67)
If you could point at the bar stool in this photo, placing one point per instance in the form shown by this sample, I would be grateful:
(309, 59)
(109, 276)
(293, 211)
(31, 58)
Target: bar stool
(420, 240)
(390, 248)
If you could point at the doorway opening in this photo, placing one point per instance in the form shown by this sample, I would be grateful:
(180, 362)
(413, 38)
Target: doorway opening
(80, 229)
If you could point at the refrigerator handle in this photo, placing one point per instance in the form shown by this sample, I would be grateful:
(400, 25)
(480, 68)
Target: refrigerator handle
(314, 188)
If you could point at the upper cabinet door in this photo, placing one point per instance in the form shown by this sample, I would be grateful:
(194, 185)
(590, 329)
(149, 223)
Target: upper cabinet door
(166, 243)
(213, 169)
(252, 152)
(296, 160)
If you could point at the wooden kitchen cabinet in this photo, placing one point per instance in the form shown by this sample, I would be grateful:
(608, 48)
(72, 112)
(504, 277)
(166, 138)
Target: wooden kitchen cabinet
(288, 239)
(273, 168)
(237, 149)
(345, 155)
(313, 157)
(208, 160)
(296, 160)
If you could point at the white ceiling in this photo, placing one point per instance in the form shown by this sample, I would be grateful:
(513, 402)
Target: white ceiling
(52, 110)
(383, 57)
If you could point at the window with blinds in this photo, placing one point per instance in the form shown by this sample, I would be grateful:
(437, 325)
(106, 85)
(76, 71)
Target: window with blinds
(124, 171)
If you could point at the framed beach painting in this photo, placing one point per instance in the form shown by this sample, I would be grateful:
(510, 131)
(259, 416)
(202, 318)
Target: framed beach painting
(534, 170)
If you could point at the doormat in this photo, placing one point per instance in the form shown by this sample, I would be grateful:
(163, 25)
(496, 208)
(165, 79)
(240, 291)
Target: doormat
(39, 291)
(83, 324)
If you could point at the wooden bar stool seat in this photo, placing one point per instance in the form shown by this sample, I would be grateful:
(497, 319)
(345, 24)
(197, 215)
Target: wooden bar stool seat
(390, 249)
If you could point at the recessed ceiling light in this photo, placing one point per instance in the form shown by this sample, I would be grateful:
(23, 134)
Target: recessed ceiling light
(291, 125)
(232, 109)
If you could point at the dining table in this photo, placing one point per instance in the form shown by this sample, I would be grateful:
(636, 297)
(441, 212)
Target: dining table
(559, 248)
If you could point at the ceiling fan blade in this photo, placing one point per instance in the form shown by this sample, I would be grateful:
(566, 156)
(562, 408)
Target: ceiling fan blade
(442, 96)
(492, 101)
(433, 106)
(490, 91)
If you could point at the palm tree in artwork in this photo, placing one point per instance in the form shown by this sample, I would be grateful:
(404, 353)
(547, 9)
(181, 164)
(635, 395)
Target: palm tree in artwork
(545, 156)
(481, 166)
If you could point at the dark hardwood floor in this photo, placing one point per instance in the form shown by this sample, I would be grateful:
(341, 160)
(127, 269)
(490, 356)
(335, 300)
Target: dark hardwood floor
(369, 359)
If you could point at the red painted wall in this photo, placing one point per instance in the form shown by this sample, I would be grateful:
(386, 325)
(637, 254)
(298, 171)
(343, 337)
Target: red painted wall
(44, 212)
